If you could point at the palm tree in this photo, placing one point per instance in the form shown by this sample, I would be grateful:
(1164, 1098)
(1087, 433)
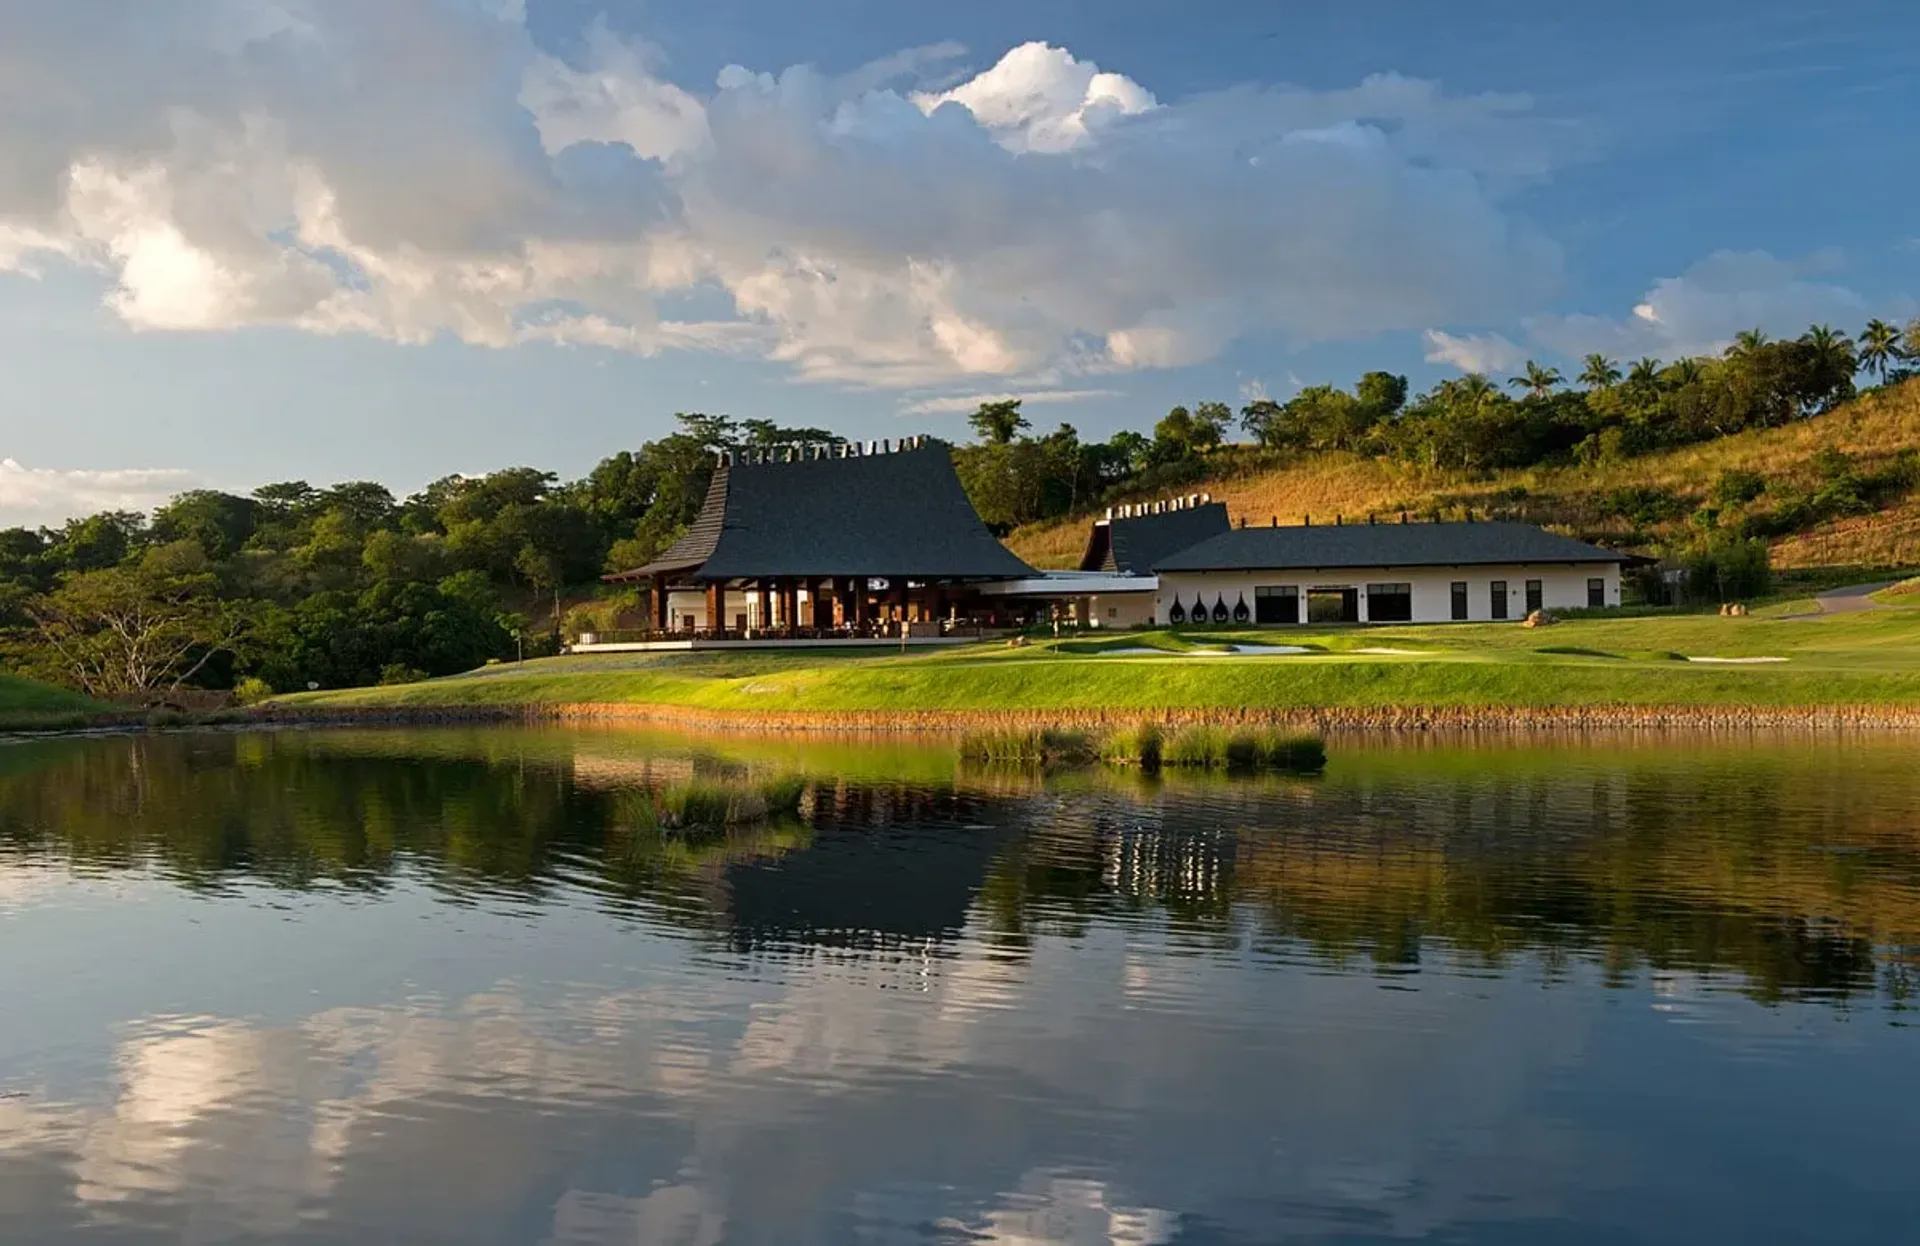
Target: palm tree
(1645, 374)
(1684, 372)
(1746, 342)
(1536, 380)
(1600, 372)
(1910, 340)
(1879, 347)
(1832, 351)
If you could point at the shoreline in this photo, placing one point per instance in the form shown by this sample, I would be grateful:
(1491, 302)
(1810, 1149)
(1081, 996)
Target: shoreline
(1397, 720)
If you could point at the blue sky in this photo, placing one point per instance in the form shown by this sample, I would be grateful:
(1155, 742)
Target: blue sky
(244, 240)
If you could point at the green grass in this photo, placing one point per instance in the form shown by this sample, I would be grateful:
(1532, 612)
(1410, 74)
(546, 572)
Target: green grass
(1870, 658)
(702, 804)
(1037, 746)
(26, 705)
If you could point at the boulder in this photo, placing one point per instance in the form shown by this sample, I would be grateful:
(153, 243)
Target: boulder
(1539, 618)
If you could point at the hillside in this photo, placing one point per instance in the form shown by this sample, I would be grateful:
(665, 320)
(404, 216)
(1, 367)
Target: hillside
(25, 703)
(1636, 502)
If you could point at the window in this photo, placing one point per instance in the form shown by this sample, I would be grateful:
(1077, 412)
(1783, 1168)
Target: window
(1240, 612)
(1497, 598)
(1113, 612)
(1596, 593)
(1389, 603)
(1177, 613)
(1220, 612)
(1536, 597)
(1276, 604)
(1459, 599)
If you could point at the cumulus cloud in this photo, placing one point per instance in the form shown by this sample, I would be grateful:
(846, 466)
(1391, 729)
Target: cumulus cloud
(1699, 311)
(31, 497)
(1483, 352)
(414, 169)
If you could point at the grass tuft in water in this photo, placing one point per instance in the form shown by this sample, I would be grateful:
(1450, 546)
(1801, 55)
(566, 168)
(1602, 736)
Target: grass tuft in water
(1029, 746)
(1255, 748)
(711, 805)
(1139, 745)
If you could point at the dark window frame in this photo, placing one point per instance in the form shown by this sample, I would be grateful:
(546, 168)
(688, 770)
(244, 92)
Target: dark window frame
(1536, 595)
(1497, 598)
(1282, 601)
(1597, 592)
(1397, 595)
(1459, 608)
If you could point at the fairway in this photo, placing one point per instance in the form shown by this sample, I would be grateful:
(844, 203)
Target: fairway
(1870, 658)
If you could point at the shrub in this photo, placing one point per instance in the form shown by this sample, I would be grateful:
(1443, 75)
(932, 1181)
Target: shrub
(395, 673)
(1736, 487)
(252, 690)
(1642, 506)
(1729, 569)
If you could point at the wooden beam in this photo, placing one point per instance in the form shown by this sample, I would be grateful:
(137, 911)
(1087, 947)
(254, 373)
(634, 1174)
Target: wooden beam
(658, 602)
(716, 606)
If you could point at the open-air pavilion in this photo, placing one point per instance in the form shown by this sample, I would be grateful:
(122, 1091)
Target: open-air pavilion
(825, 544)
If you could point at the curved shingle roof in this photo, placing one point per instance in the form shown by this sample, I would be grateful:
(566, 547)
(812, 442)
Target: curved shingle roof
(902, 513)
(1384, 545)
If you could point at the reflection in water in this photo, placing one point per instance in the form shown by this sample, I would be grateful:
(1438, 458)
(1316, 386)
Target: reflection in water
(439, 986)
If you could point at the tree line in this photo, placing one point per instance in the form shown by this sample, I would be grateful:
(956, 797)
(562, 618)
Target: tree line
(294, 586)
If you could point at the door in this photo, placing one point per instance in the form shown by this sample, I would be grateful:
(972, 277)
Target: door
(1459, 600)
(1497, 598)
(1333, 605)
(1536, 596)
(1277, 603)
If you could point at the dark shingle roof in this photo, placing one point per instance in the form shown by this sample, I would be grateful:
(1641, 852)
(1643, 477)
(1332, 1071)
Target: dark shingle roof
(899, 513)
(1133, 544)
(1383, 545)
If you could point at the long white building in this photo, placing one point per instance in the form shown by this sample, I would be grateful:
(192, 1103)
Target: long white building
(1382, 573)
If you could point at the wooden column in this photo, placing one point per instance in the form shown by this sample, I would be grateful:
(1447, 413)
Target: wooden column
(897, 589)
(859, 592)
(658, 603)
(716, 607)
(764, 600)
(822, 605)
(789, 604)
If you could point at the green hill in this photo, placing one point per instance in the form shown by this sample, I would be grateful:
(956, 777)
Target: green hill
(1833, 490)
(27, 704)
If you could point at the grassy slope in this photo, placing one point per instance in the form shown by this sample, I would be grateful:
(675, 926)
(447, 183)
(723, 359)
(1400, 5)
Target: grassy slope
(1874, 428)
(1869, 658)
(25, 703)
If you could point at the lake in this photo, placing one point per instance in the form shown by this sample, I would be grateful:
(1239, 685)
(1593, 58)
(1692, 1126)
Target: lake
(455, 987)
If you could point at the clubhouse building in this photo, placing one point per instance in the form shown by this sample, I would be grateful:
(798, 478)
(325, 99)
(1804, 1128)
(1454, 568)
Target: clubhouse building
(1383, 573)
(820, 544)
(849, 543)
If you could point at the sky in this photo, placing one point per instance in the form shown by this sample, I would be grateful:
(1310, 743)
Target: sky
(244, 241)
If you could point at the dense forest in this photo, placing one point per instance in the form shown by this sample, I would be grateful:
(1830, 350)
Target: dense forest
(295, 586)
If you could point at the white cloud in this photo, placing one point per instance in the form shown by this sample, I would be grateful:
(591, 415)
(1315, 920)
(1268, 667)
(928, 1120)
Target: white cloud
(951, 404)
(411, 170)
(1699, 311)
(33, 497)
(1473, 352)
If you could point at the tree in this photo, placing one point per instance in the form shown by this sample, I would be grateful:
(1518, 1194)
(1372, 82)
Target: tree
(1600, 372)
(1536, 380)
(1745, 343)
(997, 423)
(1383, 394)
(1830, 363)
(1879, 348)
(137, 628)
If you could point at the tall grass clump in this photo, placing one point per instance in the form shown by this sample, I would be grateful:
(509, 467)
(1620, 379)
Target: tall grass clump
(1139, 745)
(1196, 745)
(707, 804)
(1255, 748)
(1029, 746)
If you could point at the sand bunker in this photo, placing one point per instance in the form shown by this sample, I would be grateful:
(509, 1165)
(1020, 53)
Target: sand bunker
(1736, 661)
(1255, 651)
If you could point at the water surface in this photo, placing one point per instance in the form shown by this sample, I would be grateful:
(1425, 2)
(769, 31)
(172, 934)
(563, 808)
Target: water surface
(449, 987)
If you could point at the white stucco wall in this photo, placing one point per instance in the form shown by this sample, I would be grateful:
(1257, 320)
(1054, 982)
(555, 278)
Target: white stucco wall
(1563, 587)
(1117, 610)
